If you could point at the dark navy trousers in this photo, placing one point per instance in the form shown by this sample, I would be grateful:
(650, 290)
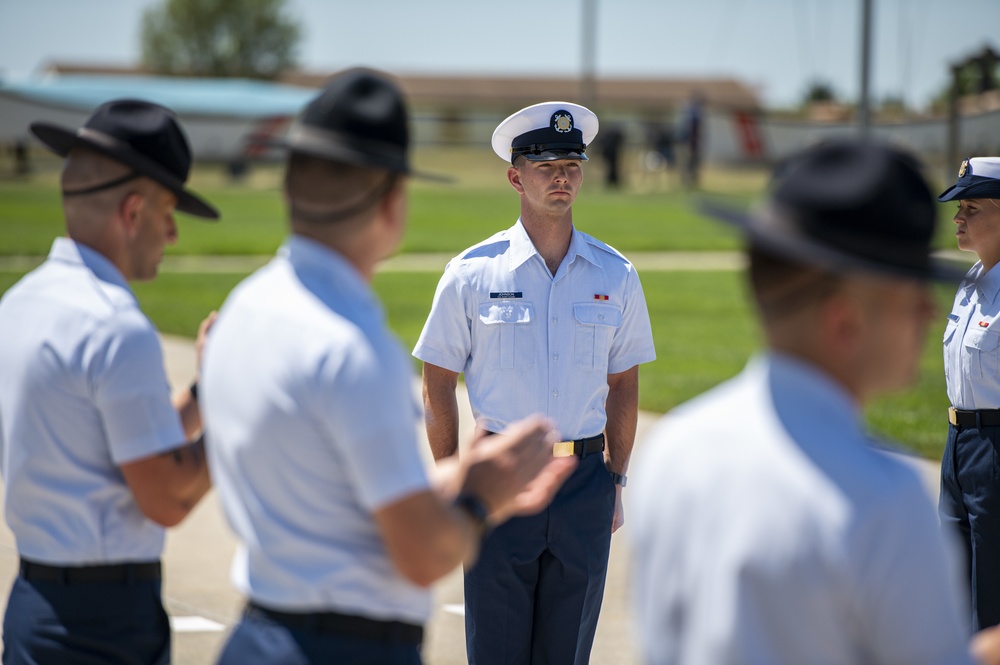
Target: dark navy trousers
(258, 639)
(535, 592)
(50, 623)
(970, 507)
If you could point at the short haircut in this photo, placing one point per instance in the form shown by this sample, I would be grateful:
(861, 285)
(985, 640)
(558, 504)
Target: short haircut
(783, 286)
(321, 191)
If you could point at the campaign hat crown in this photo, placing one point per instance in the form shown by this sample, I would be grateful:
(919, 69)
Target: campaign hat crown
(545, 132)
(359, 118)
(978, 178)
(144, 136)
(848, 206)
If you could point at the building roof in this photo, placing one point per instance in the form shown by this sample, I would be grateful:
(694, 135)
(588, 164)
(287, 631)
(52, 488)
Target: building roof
(513, 92)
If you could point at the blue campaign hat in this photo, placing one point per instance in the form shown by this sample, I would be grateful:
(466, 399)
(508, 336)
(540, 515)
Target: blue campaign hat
(545, 132)
(849, 206)
(978, 178)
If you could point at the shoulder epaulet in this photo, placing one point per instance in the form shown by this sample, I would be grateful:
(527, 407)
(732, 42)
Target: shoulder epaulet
(603, 246)
(498, 242)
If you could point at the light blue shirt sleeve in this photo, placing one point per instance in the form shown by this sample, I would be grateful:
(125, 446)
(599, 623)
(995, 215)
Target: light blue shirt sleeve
(446, 339)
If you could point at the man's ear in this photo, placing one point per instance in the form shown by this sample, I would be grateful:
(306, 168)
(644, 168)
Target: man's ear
(514, 177)
(129, 210)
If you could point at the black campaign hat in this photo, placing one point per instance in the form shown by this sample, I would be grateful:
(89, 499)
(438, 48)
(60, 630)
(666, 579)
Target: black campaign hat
(145, 136)
(359, 118)
(847, 206)
(978, 178)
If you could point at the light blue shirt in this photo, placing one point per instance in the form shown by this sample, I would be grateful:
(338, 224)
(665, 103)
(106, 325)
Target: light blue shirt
(311, 420)
(971, 352)
(83, 392)
(530, 342)
(766, 529)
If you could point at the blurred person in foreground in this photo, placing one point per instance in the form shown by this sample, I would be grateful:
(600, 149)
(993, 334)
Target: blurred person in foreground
(308, 398)
(542, 317)
(970, 477)
(95, 456)
(767, 528)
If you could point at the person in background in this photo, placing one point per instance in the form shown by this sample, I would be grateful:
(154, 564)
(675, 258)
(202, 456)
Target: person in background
(970, 485)
(94, 453)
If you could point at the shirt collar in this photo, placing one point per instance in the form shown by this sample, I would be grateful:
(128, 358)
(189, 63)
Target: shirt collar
(988, 284)
(522, 249)
(66, 250)
(805, 397)
(325, 268)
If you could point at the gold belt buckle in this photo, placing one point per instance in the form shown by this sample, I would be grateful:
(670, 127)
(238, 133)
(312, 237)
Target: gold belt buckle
(562, 449)
(953, 415)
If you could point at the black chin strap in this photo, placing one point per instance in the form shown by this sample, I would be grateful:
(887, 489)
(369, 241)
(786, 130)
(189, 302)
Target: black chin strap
(101, 186)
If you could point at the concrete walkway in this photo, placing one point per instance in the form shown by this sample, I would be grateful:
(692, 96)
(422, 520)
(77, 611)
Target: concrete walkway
(435, 262)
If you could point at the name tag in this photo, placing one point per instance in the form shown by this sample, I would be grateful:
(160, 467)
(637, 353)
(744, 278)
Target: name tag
(506, 295)
(953, 317)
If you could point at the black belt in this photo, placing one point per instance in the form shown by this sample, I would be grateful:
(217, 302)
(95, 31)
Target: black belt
(980, 418)
(120, 573)
(393, 632)
(578, 447)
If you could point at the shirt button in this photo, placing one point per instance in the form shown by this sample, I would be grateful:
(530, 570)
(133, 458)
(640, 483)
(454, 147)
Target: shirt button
(555, 357)
(600, 317)
(555, 393)
(555, 320)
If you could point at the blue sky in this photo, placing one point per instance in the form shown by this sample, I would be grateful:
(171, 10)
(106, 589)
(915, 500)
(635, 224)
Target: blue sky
(777, 46)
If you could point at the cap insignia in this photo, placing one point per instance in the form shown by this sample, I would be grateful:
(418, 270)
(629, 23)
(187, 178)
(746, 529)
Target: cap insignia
(963, 168)
(562, 121)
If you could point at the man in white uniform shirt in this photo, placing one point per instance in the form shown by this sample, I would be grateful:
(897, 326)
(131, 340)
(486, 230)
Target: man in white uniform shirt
(308, 401)
(94, 457)
(542, 317)
(767, 528)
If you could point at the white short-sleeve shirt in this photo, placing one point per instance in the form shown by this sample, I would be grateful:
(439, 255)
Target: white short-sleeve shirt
(972, 342)
(530, 342)
(766, 529)
(311, 427)
(83, 391)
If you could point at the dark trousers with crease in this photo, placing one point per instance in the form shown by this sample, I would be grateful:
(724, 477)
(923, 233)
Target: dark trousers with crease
(534, 594)
(85, 624)
(969, 507)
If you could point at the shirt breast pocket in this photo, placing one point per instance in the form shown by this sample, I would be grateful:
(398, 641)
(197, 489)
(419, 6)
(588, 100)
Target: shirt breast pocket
(595, 326)
(508, 333)
(981, 351)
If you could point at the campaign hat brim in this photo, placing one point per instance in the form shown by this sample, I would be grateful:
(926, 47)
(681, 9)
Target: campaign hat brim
(61, 140)
(771, 230)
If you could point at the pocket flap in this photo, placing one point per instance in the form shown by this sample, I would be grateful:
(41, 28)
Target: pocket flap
(597, 315)
(493, 313)
(982, 339)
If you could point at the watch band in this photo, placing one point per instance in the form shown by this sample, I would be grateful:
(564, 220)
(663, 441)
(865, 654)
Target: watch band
(475, 509)
(619, 478)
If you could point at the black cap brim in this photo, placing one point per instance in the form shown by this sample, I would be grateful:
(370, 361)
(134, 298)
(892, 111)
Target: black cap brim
(987, 188)
(553, 155)
(768, 233)
(61, 140)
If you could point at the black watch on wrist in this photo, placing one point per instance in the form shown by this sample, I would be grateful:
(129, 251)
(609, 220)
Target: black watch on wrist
(475, 509)
(619, 478)
(193, 389)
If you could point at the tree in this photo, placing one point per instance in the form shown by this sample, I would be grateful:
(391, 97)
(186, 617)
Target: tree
(820, 91)
(226, 38)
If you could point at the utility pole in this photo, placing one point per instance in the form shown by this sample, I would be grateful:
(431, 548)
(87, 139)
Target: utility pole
(588, 53)
(864, 103)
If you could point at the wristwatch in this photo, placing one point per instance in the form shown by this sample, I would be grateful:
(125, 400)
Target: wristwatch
(619, 478)
(475, 509)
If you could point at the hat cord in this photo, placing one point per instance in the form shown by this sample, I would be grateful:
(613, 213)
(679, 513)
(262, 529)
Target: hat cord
(100, 187)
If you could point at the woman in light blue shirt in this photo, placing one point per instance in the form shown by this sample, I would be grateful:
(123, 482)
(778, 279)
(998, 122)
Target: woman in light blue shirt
(970, 469)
